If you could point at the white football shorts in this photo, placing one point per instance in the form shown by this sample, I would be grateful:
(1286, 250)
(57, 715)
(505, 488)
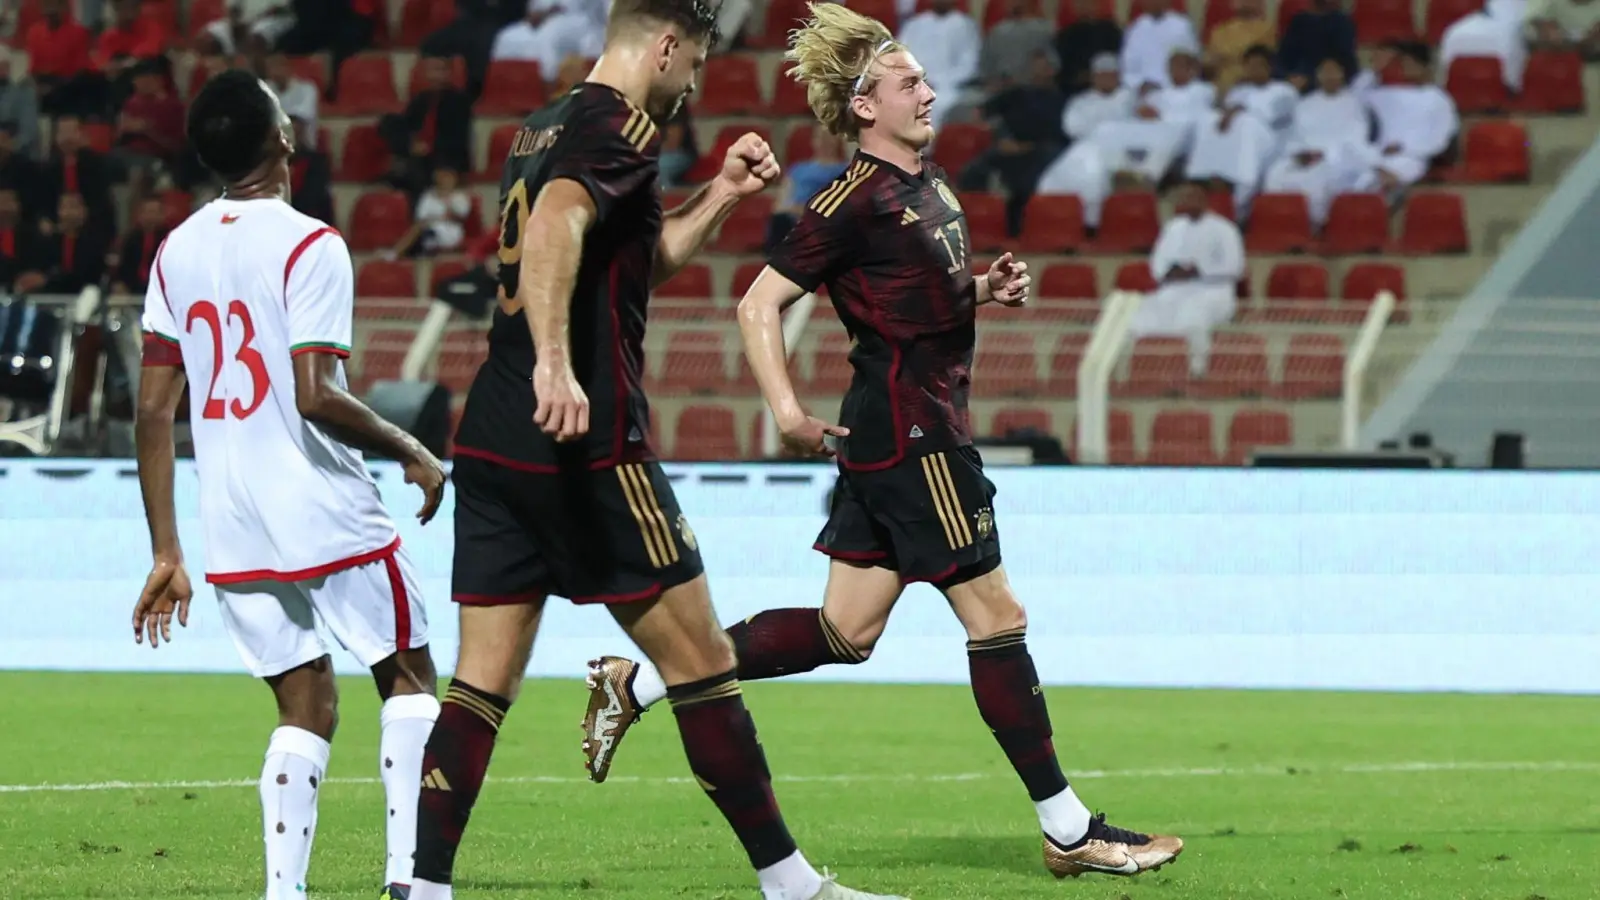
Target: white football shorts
(373, 610)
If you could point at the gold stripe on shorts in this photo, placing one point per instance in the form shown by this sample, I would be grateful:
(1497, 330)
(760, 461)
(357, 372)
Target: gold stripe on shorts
(647, 512)
(937, 470)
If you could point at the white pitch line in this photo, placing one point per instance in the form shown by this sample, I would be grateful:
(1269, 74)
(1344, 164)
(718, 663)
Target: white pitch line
(1206, 772)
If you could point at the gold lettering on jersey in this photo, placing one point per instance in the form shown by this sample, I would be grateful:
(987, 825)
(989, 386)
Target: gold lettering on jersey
(828, 200)
(514, 223)
(527, 142)
(955, 245)
(639, 130)
(947, 195)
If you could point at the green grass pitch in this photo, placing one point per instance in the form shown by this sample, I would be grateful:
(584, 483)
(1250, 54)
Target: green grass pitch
(1280, 796)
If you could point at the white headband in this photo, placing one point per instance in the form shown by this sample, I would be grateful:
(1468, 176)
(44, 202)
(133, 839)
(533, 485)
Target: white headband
(862, 78)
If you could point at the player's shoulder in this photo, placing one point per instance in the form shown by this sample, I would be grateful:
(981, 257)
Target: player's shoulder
(853, 191)
(598, 116)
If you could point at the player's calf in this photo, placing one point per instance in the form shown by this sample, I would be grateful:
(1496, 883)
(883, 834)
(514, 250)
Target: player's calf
(495, 644)
(292, 772)
(406, 681)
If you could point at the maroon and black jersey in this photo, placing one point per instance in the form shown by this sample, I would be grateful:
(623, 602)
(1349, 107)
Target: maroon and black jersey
(594, 136)
(892, 250)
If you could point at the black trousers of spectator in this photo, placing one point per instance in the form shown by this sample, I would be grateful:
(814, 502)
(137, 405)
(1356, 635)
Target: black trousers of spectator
(1019, 173)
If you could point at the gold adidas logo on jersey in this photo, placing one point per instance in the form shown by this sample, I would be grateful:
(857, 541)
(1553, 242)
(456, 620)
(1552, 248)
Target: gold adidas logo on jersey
(909, 216)
(829, 199)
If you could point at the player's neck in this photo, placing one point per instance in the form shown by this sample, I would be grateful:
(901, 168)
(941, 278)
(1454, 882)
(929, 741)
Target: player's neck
(256, 190)
(622, 69)
(895, 154)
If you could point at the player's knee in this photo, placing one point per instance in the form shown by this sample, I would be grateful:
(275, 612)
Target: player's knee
(862, 635)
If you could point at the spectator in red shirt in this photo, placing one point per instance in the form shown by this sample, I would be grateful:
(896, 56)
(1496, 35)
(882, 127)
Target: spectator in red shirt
(58, 50)
(150, 128)
(131, 37)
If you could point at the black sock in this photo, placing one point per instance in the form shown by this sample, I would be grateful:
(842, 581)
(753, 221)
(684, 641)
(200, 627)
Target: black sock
(453, 767)
(1006, 686)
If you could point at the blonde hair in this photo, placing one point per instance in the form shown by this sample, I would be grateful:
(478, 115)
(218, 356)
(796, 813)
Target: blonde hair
(832, 53)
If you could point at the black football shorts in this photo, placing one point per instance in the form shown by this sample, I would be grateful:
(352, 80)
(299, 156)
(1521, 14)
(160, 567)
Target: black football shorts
(929, 518)
(612, 535)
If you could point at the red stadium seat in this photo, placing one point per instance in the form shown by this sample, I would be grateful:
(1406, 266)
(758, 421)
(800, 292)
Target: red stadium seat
(1497, 151)
(830, 365)
(957, 145)
(884, 11)
(986, 221)
(798, 146)
(694, 363)
(1384, 20)
(513, 87)
(1434, 223)
(420, 18)
(379, 220)
(1067, 292)
(789, 96)
(1129, 223)
(380, 356)
(706, 433)
(1064, 364)
(1313, 367)
(366, 157)
(1136, 276)
(710, 162)
(378, 278)
(1364, 280)
(693, 280)
(1159, 368)
(1477, 84)
(743, 277)
(1254, 429)
(1221, 203)
(390, 309)
(1005, 365)
(312, 69)
(782, 16)
(1296, 292)
(1021, 418)
(1553, 83)
(1288, 9)
(460, 357)
(1181, 437)
(201, 14)
(366, 87)
(745, 230)
(1279, 223)
(1237, 367)
(1216, 13)
(730, 86)
(443, 270)
(500, 141)
(1051, 224)
(1119, 438)
(1357, 223)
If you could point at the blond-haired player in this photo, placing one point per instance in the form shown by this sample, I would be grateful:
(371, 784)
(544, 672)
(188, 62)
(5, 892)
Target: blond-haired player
(889, 241)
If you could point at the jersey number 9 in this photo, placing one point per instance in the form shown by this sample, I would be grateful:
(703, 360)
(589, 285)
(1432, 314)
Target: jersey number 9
(215, 408)
(513, 221)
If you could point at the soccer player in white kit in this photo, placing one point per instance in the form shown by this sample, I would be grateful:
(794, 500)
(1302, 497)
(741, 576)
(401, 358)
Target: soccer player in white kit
(250, 304)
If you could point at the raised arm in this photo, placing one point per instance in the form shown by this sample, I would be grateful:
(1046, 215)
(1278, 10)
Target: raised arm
(748, 167)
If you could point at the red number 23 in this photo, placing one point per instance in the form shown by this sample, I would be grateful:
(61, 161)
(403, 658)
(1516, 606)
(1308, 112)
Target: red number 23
(206, 311)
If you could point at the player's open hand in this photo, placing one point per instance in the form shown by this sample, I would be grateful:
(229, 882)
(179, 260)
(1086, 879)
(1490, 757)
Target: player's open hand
(165, 591)
(1009, 281)
(561, 407)
(750, 165)
(425, 471)
(809, 437)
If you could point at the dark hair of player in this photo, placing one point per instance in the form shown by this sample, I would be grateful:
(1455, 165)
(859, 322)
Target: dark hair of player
(231, 124)
(697, 19)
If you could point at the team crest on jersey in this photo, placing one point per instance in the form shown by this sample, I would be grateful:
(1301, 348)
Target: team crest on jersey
(947, 195)
(985, 523)
(687, 533)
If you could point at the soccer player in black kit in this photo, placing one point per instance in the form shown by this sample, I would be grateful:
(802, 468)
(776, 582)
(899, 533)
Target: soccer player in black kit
(557, 491)
(889, 241)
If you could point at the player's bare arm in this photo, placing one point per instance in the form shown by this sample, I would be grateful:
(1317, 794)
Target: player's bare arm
(761, 327)
(552, 245)
(748, 167)
(167, 589)
(1006, 282)
(322, 401)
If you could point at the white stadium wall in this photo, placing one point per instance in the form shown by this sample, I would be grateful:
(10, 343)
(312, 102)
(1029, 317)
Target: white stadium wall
(1466, 581)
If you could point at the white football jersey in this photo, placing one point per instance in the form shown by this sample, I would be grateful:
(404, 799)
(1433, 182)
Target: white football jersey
(242, 287)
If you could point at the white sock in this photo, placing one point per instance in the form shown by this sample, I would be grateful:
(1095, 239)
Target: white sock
(1063, 817)
(407, 720)
(427, 890)
(648, 688)
(293, 771)
(790, 878)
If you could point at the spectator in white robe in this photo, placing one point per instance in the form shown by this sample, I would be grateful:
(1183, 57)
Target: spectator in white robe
(1148, 44)
(1324, 121)
(1494, 31)
(1197, 261)
(1239, 141)
(1127, 136)
(1564, 25)
(1415, 122)
(947, 43)
(552, 31)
